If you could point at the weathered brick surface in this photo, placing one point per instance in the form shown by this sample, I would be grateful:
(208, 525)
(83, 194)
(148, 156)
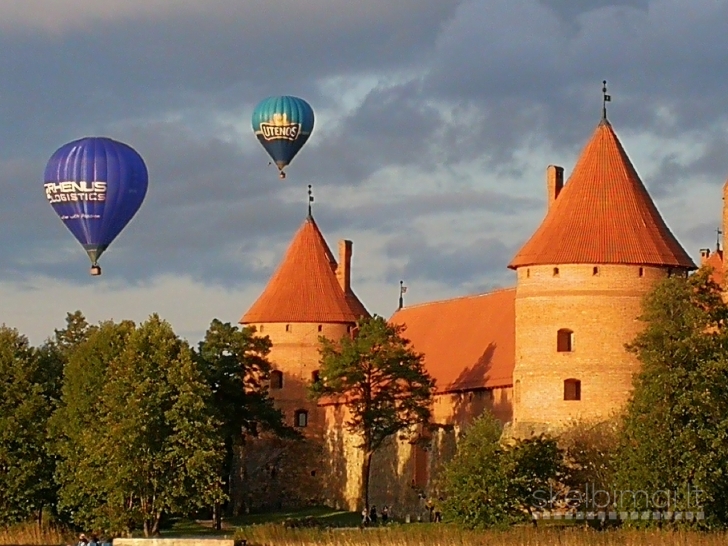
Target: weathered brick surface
(393, 467)
(295, 352)
(602, 310)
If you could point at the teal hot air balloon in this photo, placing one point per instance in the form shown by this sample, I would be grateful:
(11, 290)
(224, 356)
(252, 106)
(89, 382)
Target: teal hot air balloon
(283, 125)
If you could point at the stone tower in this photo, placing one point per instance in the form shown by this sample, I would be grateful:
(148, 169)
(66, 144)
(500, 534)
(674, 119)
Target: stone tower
(308, 296)
(581, 279)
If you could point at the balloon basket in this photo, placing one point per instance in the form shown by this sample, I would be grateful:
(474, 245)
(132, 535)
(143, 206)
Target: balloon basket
(95, 270)
(282, 176)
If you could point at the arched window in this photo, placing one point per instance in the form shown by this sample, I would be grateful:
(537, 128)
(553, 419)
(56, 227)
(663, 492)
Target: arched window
(572, 389)
(276, 379)
(301, 418)
(565, 340)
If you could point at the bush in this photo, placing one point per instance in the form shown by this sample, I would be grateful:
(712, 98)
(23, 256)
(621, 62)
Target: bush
(488, 484)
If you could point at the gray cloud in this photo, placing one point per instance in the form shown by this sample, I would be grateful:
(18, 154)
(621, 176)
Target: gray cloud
(451, 265)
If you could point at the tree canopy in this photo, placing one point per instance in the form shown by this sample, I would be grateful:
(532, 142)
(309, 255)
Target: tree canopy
(674, 450)
(137, 436)
(29, 381)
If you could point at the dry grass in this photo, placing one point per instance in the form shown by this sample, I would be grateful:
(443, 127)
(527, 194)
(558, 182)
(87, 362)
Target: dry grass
(442, 535)
(29, 534)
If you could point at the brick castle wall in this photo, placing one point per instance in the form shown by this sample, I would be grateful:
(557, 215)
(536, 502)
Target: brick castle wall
(600, 304)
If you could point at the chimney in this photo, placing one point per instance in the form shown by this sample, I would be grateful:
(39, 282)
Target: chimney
(704, 255)
(554, 183)
(343, 270)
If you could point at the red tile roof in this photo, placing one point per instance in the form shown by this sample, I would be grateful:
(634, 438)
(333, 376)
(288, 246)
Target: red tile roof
(304, 288)
(715, 262)
(468, 342)
(603, 215)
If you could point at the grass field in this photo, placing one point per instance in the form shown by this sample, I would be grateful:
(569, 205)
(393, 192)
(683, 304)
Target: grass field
(271, 530)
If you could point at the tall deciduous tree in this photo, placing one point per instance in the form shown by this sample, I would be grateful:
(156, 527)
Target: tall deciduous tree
(235, 366)
(674, 449)
(138, 437)
(27, 397)
(381, 380)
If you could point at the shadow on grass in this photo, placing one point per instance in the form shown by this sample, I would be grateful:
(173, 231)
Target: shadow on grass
(326, 516)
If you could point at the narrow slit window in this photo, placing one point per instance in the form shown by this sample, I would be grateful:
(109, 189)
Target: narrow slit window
(595, 271)
(320, 327)
(288, 327)
(572, 389)
(301, 418)
(642, 271)
(315, 377)
(556, 271)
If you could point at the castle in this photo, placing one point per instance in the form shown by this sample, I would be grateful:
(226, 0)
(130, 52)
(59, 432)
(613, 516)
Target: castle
(545, 352)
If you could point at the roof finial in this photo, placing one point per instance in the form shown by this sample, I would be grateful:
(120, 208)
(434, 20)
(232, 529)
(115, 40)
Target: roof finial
(607, 98)
(310, 200)
(402, 290)
(718, 233)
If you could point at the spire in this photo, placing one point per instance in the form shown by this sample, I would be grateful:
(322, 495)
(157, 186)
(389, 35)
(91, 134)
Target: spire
(402, 290)
(310, 200)
(604, 215)
(304, 288)
(718, 233)
(605, 99)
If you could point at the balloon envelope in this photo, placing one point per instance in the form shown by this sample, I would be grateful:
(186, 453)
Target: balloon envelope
(96, 185)
(283, 125)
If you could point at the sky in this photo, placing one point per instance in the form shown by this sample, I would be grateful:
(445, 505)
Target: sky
(435, 122)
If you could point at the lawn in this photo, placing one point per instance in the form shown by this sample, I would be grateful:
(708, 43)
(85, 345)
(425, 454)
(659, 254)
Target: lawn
(325, 516)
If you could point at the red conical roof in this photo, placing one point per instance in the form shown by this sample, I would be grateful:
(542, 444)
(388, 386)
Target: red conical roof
(603, 215)
(305, 288)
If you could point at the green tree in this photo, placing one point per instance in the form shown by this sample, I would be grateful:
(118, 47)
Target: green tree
(674, 450)
(381, 380)
(27, 398)
(475, 482)
(137, 436)
(493, 484)
(235, 367)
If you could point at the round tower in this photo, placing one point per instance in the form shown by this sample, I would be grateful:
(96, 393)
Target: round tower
(581, 280)
(308, 296)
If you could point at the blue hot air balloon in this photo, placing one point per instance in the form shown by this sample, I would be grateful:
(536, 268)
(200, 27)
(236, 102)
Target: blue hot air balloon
(283, 125)
(96, 185)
